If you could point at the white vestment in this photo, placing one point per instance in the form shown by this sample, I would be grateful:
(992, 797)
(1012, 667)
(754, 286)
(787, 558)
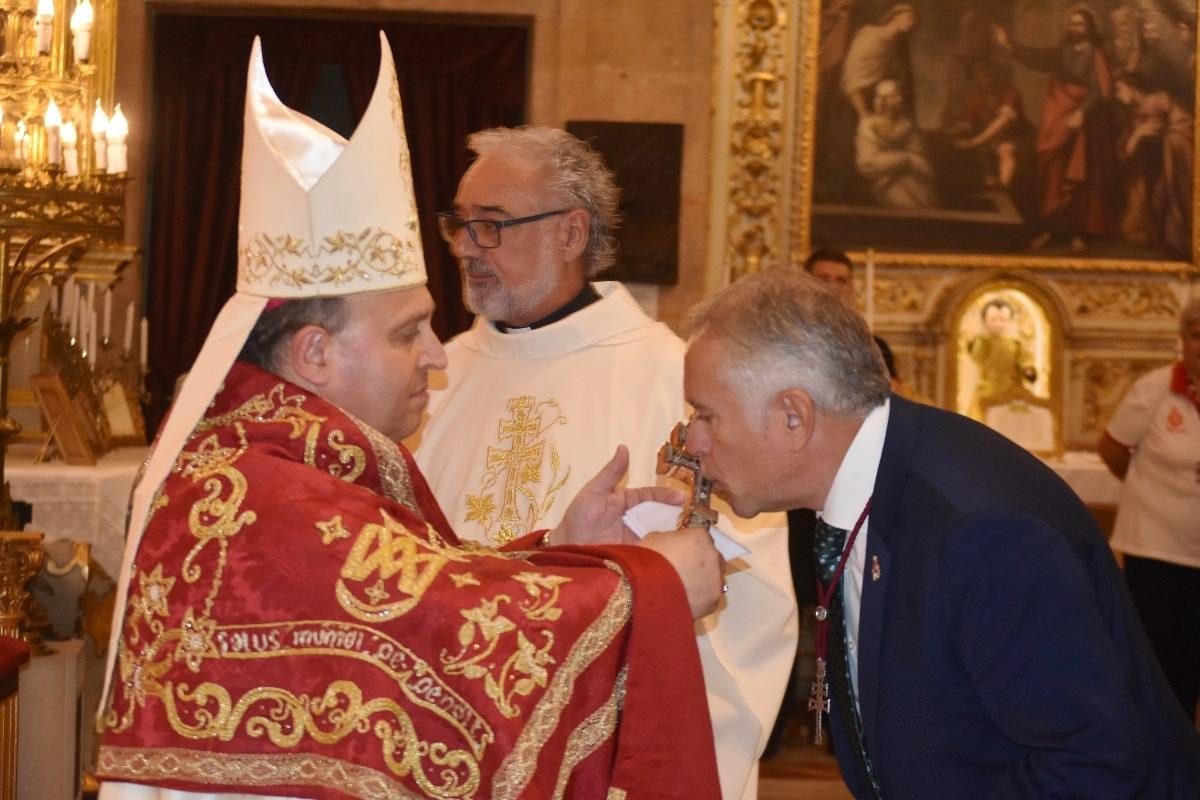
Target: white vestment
(530, 416)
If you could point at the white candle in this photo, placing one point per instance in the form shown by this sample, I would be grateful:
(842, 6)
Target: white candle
(107, 314)
(45, 25)
(118, 129)
(145, 344)
(53, 124)
(80, 323)
(69, 305)
(99, 145)
(81, 27)
(128, 329)
(70, 154)
(91, 337)
(871, 289)
(21, 140)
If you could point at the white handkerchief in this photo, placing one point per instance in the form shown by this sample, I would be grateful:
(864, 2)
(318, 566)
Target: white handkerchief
(654, 516)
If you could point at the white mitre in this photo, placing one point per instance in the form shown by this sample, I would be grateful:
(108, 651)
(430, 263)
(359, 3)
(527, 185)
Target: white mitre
(320, 217)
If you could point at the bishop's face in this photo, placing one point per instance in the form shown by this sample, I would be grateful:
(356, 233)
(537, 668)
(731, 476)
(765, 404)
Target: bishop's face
(738, 450)
(525, 278)
(379, 360)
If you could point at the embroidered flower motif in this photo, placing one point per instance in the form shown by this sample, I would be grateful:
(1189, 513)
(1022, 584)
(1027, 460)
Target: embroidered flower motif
(464, 579)
(195, 640)
(480, 508)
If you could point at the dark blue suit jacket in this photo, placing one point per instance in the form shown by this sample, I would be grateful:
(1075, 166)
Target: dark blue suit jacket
(999, 653)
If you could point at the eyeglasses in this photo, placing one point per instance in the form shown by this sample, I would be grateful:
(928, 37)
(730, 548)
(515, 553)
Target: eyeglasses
(484, 233)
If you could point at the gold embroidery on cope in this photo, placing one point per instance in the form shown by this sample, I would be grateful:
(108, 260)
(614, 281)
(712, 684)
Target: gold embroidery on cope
(204, 767)
(386, 550)
(518, 470)
(525, 668)
(591, 733)
(518, 766)
(462, 579)
(332, 530)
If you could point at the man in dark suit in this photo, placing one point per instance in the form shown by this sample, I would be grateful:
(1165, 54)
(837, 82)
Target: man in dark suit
(981, 642)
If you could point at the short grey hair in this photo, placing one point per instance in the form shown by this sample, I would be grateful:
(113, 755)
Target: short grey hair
(785, 328)
(1189, 315)
(577, 174)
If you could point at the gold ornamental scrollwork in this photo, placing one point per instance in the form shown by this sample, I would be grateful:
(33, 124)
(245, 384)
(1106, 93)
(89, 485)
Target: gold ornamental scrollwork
(755, 224)
(1132, 299)
(21, 557)
(1105, 381)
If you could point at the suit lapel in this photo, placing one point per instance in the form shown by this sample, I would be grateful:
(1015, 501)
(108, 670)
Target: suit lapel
(898, 446)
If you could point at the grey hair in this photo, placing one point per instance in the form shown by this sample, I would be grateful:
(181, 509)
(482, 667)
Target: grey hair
(577, 174)
(785, 328)
(1189, 315)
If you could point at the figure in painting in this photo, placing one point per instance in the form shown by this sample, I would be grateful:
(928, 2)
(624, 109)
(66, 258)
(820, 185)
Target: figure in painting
(890, 153)
(1005, 365)
(877, 53)
(1156, 148)
(1076, 138)
(991, 124)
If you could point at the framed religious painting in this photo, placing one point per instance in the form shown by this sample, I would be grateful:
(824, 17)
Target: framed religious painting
(1002, 133)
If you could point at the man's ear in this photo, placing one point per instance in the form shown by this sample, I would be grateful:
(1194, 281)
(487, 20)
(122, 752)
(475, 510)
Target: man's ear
(576, 226)
(797, 412)
(309, 356)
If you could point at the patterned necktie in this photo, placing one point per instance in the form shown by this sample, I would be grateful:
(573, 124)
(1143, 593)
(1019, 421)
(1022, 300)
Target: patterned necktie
(828, 545)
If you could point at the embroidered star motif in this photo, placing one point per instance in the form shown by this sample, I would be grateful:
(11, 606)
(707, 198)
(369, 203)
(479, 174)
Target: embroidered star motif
(333, 530)
(154, 590)
(376, 592)
(195, 641)
(464, 579)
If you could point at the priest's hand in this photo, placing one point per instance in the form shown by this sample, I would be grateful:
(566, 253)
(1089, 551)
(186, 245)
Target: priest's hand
(696, 561)
(594, 516)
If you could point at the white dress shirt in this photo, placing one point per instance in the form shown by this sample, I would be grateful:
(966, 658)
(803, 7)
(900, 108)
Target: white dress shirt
(848, 495)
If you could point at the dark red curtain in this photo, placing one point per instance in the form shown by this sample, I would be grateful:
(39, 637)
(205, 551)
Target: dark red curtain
(455, 78)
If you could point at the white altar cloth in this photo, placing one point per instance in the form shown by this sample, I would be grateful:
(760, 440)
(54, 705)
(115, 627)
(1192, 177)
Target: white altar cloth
(86, 504)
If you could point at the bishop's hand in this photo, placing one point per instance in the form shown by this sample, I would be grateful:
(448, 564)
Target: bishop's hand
(594, 516)
(696, 561)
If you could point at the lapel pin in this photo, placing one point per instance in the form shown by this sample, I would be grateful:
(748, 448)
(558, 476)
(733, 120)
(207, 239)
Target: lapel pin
(876, 572)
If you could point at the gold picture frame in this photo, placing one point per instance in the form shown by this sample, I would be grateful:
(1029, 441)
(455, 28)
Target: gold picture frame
(942, 65)
(126, 425)
(66, 422)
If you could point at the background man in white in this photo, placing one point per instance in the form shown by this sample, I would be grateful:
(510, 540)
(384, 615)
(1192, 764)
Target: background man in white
(556, 372)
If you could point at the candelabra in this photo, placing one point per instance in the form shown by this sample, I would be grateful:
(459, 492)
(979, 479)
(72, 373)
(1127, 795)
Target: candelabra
(62, 189)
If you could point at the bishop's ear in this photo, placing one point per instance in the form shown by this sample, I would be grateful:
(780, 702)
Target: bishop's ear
(795, 409)
(309, 356)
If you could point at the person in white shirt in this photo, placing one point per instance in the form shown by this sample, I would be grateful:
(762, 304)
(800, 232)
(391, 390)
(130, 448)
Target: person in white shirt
(556, 372)
(1152, 443)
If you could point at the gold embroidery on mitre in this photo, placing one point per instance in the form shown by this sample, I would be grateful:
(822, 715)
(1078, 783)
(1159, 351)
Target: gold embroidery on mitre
(518, 470)
(340, 258)
(462, 579)
(381, 552)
